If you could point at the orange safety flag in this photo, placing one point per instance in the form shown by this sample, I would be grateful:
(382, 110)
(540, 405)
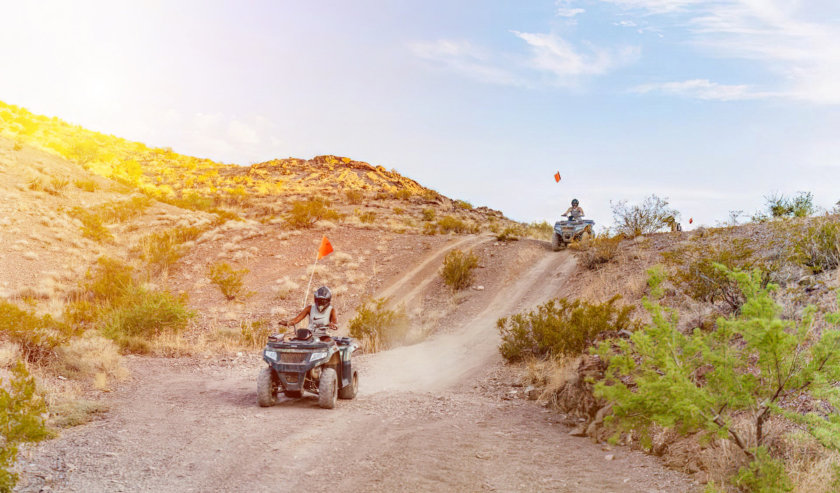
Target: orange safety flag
(325, 248)
(690, 220)
(557, 177)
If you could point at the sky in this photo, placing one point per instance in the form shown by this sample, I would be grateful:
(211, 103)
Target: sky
(712, 104)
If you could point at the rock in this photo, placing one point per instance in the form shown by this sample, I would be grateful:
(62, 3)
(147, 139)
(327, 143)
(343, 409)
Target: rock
(479, 288)
(609, 457)
(578, 431)
(599, 416)
(532, 392)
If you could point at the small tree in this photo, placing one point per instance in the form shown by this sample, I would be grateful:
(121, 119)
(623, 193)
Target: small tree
(20, 421)
(650, 216)
(800, 205)
(227, 279)
(752, 364)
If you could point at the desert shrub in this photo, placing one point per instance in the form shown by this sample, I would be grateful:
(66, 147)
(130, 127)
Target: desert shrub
(457, 270)
(305, 213)
(379, 326)
(539, 230)
(599, 250)
(403, 194)
(36, 184)
(57, 185)
(510, 233)
(86, 185)
(451, 224)
(142, 315)
(92, 226)
(354, 197)
(430, 229)
(428, 214)
(696, 275)
(161, 250)
(800, 205)
(229, 280)
(561, 328)
(89, 357)
(108, 280)
(463, 204)
(753, 365)
(253, 334)
(399, 211)
(21, 421)
(819, 246)
(367, 217)
(36, 336)
(763, 474)
(122, 210)
(652, 215)
(18, 145)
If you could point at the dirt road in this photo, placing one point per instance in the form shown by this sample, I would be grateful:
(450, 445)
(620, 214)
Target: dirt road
(435, 416)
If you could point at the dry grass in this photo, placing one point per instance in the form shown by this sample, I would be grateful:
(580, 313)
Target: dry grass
(90, 358)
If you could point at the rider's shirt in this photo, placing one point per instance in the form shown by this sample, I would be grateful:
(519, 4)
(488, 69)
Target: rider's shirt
(319, 319)
(576, 211)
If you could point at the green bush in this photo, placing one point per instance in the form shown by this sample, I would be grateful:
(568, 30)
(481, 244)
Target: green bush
(36, 336)
(752, 363)
(92, 226)
(254, 334)
(764, 474)
(652, 215)
(457, 270)
(86, 185)
(403, 194)
(229, 280)
(305, 213)
(696, 275)
(463, 204)
(143, 314)
(354, 197)
(599, 250)
(430, 229)
(450, 224)
(800, 205)
(21, 421)
(428, 214)
(561, 328)
(379, 326)
(367, 217)
(819, 247)
(162, 250)
(509, 234)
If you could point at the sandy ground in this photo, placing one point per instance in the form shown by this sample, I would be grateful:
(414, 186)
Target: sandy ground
(434, 416)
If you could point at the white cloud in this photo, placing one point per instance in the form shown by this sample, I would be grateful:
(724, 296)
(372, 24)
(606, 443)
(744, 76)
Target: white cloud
(705, 89)
(797, 41)
(466, 59)
(554, 55)
(565, 12)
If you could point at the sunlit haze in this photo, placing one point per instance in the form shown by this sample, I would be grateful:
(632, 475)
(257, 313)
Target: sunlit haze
(713, 105)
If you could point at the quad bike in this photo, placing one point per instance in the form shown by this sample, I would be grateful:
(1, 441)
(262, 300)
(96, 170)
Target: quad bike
(573, 228)
(304, 362)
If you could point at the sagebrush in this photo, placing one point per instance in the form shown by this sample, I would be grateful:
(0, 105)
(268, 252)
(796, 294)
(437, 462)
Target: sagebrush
(457, 271)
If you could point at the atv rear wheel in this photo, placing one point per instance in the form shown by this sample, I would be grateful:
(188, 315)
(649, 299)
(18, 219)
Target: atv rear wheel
(349, 392)
(267, 387)
(327, 389)
(556, 242)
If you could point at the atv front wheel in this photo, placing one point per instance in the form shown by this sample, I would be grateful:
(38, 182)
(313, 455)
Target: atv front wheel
(556, 242)
(349, 392)
(267, 387)
(327, 389)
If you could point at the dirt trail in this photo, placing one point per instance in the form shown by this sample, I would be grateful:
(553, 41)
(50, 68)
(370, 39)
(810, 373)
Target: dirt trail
(435, 416)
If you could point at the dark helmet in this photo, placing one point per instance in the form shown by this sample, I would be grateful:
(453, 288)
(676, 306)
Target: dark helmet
(323, 296)
(575, 202)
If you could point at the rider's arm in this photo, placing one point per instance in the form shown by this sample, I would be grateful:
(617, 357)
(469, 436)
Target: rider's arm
(333, 319)
(303, 313)
(581, 211)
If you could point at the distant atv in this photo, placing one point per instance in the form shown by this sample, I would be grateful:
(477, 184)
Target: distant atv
(305, 363)
(573, 228)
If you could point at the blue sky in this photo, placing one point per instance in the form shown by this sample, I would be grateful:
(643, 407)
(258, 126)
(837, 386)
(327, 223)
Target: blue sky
(712, 104)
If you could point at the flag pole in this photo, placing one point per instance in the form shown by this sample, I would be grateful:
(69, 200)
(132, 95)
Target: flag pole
(306, 294)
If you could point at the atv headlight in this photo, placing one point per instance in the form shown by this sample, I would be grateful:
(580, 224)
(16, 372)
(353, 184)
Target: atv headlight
(272, 355)
(318, 355)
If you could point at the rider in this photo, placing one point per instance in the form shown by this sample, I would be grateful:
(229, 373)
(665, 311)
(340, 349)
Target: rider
(321, 314)
(575, 211)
